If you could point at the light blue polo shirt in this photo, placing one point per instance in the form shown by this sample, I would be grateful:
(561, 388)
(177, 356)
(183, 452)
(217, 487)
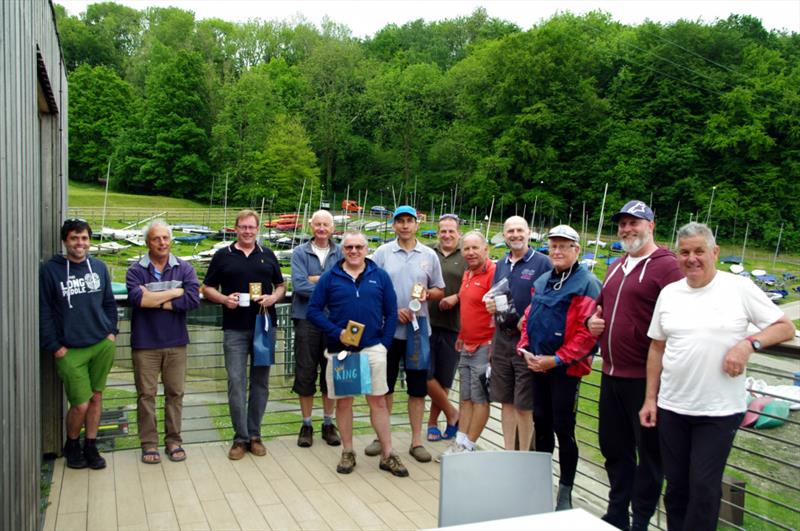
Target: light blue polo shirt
(406, 268)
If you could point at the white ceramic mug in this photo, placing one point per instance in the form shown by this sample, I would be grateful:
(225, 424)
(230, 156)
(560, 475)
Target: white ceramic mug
(244, 300)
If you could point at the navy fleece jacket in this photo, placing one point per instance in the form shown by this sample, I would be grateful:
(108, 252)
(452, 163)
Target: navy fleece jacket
(369, 300)
(76, 304)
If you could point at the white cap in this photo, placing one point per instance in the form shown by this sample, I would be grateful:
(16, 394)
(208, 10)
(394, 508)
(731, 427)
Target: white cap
(564, 231)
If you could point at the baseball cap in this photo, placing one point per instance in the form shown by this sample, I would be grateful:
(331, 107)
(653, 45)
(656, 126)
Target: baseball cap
(405, 209)
(635, 208)
(564, 231)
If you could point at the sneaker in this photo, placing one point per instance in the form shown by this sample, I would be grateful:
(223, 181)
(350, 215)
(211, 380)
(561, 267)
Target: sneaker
(331, 435)
(392, 464)
(373, 448)
(420, 453)
(237, 451)
(347, 463)
(74, 455)
(257, 447)
(454, 448)
(306, 437)
(93, 457)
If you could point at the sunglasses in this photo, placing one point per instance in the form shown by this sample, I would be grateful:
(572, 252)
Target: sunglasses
(449, 216)
(74, 220)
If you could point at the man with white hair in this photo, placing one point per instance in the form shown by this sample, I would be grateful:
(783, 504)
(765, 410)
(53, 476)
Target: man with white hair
(309, 262)
(512, 381)
(162, 289)
(624, 309)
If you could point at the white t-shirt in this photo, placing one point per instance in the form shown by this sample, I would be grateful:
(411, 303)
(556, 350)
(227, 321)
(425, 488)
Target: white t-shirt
(700, 325)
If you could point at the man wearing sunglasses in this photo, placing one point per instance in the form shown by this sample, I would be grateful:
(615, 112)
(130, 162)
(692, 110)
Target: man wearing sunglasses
(230, 279)
(78, 326)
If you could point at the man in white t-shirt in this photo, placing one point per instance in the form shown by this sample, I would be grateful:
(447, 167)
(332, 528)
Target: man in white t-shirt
(695, 374)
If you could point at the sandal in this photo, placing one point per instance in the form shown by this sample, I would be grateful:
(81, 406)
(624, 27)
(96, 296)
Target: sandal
(434, 434)
(450, 432)
(153, 453)
(176, 450)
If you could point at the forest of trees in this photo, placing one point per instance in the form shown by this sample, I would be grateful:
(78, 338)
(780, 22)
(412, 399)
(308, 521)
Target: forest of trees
(549, 115)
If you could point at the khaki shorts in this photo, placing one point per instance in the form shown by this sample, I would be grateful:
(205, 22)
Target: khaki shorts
(377, 366)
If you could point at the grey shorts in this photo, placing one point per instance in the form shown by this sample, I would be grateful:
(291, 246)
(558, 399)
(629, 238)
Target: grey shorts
(471, 367)
(512, 380)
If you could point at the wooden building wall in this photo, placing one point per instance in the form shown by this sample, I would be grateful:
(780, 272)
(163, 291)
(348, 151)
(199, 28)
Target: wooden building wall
(33, 173)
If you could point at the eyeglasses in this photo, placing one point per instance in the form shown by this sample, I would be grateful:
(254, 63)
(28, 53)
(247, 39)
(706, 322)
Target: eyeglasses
(561, 248)
(247, 227)
(353, 247)
(449, 216)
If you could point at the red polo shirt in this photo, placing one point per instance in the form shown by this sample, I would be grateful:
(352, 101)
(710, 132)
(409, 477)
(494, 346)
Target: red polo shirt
(476, 323)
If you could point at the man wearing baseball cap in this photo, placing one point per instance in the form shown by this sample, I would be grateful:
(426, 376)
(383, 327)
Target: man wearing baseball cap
(621, 320)
(409, 262)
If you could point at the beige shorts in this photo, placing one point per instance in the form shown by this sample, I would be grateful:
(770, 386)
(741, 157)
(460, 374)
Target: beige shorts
(377, 366)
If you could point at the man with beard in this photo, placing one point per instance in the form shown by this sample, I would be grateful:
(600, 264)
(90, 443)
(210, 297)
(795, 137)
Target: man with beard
(512, 381)
(625, 307)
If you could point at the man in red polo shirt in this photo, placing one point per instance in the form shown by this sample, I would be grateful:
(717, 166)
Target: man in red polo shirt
(474, 342)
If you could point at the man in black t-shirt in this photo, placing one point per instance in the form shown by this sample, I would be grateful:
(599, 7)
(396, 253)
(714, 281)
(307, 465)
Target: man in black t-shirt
(233, 272)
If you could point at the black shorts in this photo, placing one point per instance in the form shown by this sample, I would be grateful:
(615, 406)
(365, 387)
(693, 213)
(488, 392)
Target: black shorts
(309, 359)
(512, 380)
(416, 381)
(444, 357)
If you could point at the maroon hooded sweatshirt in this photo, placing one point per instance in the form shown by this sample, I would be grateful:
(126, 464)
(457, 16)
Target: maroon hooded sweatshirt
(628, 302)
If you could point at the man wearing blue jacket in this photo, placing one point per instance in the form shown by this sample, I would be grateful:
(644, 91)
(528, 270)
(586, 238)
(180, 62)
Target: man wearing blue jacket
(309, 262)
(78, 326)
(358, 290)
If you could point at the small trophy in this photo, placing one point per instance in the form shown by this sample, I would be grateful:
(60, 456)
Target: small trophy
(416, 291)
(255, 289)
(352, 333)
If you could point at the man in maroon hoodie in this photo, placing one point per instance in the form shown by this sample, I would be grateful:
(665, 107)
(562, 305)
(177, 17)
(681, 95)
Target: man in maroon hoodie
(621, 320)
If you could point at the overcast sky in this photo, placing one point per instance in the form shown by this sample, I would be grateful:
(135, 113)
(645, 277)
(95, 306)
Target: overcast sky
(365, 17)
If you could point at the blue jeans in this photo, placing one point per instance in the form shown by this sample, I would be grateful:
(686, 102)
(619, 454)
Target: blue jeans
(246, 414)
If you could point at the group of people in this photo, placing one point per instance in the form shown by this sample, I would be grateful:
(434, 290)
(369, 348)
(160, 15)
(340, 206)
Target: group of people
(672, 333)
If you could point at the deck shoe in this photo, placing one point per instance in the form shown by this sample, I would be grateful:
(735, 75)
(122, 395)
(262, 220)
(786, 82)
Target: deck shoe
(74, 455)
(392, 463)
(420, 453)
(331, 435)
(347, 463)
(564, 497)
(373, 448)
(306, 437)
(93, 457)
(257, 447)
(237, 451)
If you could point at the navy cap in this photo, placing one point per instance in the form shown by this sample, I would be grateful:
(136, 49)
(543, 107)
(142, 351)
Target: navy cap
(405, 209)
(635, 208)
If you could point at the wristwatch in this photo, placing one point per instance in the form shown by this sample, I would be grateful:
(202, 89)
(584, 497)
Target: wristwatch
(754, 342)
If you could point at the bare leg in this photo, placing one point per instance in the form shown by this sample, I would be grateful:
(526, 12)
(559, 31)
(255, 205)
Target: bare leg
(306, 406)
(433, 416)
(328, 404)
(465, 420)
(480, 415)
(93, 414)
(508, 419)
(389, 398)
(344, 416)
(379, 417)
(416, 412)
(76, 416)
(439, 401)
(525, 427)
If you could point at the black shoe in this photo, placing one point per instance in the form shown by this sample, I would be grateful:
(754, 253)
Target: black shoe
(93, 457)
(306, 437)
(331, 435)
(73, 454)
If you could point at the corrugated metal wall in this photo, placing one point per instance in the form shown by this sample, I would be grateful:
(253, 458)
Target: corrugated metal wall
(33, 166)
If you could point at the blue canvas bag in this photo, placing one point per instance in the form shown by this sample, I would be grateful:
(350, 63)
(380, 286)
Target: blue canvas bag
(418, 346)
(263, 340)
(351, 376)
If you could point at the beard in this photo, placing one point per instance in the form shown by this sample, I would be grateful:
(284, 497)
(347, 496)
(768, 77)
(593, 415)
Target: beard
(637, 244)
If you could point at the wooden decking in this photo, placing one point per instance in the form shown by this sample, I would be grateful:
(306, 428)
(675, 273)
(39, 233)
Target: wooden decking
(289, 488)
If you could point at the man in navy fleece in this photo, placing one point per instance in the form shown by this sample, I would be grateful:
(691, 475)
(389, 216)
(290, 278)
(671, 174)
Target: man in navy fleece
(358, 290)
(78, 326)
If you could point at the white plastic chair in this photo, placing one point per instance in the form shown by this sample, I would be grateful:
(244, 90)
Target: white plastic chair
(480, 486)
